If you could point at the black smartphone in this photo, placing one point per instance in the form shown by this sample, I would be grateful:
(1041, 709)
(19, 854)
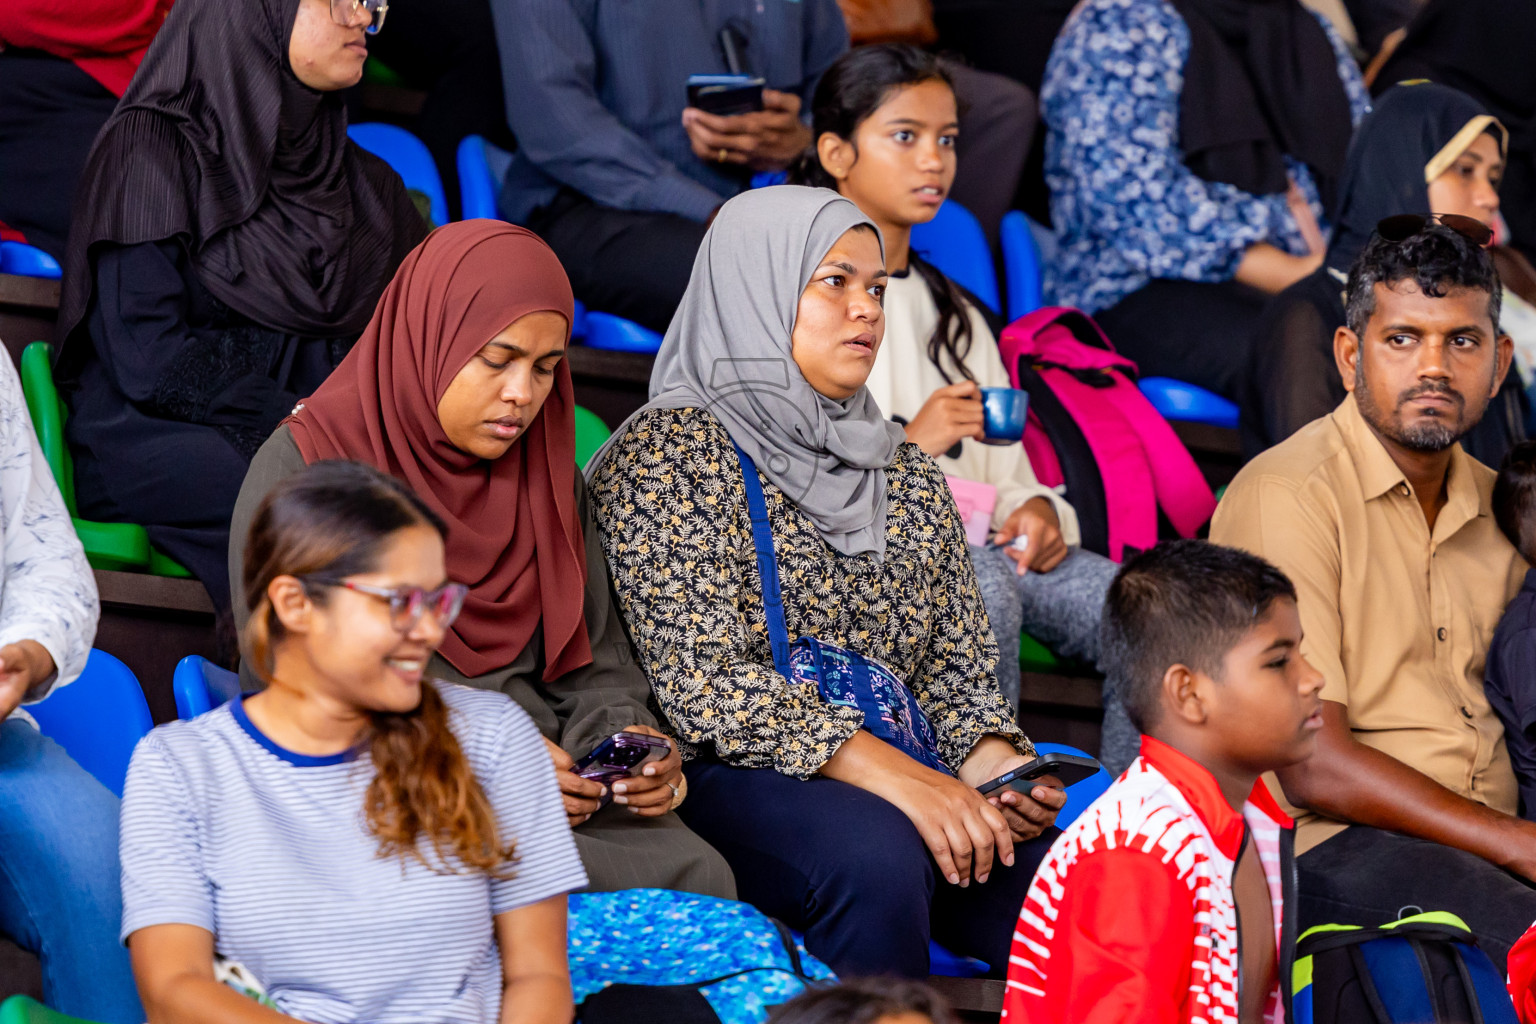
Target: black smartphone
(725, 95)
(1069, 768)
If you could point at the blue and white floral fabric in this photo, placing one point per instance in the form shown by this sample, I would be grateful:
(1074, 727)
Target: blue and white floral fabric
(665, 937)
(1125, 207)
(47, 592)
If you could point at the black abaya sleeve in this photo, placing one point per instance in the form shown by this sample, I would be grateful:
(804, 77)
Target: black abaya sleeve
(1293, 377)
(175, 353)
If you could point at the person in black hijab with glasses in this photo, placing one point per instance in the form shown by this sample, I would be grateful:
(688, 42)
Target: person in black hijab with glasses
(1425, 148)
(1192, 158)
(228, 245)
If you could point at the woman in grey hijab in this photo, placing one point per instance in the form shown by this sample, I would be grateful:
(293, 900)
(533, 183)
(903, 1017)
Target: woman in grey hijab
(840, 834)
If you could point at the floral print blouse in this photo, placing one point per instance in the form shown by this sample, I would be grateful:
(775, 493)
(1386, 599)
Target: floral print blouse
(672, 514)
(1125, 207)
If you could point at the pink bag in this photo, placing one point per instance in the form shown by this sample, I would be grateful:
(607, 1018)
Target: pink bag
(1091, 429)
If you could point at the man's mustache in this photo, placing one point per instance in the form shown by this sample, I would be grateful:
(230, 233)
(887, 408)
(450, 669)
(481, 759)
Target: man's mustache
(1432, 387)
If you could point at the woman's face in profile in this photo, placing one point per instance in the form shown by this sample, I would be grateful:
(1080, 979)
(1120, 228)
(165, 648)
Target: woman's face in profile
(840, 322)
(493, 399)
(1470, 186)
(324, 54)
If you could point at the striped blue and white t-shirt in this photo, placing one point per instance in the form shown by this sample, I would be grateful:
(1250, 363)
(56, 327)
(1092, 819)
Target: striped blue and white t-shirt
(270, 851)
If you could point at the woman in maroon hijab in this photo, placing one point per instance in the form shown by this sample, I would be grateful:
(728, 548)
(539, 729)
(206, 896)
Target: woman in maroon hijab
(459, 387)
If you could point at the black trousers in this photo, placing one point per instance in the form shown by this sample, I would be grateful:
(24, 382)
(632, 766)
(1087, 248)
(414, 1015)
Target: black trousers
(1365, 876)
(850, 871)
(50, 112)
(631, 264)
(1191, 331)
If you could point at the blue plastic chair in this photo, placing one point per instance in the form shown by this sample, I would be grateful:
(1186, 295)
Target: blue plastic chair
(28, 261)
(199, 685)
(477, 185)
(98, 718)
(1080, 796)
(954, 242)
(1022, 267)
(1177, 400)
(614, 333)
(410, 159)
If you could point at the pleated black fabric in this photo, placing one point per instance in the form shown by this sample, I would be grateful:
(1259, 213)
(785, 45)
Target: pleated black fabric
(1261, 82)
(218, 145)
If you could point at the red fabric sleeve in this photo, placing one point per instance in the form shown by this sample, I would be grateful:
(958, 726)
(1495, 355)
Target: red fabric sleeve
(1124, 937)
(107, 38)
(1522, 977)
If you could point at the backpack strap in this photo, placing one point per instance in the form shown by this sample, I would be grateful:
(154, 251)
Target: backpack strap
(767, 563)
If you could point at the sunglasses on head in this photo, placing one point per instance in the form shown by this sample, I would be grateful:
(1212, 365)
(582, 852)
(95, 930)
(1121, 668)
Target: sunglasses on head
(1404, 226)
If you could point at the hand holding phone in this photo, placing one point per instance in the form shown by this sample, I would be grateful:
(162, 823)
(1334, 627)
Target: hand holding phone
(1069, 768)
(621, 756)
(725, 95)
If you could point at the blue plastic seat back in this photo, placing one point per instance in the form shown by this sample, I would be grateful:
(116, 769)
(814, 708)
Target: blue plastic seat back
(1177, 400)
(200, 686)
(1022, 266)
(606, 331)
(1082, 794)
(954, 242)
(410, 159)
(98, 718)
(28, 261)
(482, 167)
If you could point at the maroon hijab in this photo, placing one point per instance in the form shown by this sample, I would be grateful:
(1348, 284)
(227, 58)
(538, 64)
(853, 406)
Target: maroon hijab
(514, 533)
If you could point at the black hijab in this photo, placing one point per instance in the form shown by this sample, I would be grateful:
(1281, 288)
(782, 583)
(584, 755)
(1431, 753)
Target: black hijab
(1411, 136)
(218, 144)
(1484, 48)
(1261, 82)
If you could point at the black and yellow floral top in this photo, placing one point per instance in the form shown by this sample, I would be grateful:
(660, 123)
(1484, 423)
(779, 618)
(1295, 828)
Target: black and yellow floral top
(672, 516)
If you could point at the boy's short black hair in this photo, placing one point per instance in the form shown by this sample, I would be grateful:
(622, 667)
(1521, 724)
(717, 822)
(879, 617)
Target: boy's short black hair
(863, 1001)
(1185, 602)
(1514, 498)
(1435, 259)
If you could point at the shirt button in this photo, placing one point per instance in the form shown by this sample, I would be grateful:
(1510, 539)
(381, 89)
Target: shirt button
(1440, 633)
(1466, 712)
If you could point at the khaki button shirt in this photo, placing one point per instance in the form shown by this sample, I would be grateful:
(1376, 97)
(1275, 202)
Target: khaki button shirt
(1397, 618)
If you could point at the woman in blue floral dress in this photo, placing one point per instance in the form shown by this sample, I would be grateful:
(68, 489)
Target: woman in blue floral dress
(1191, 156)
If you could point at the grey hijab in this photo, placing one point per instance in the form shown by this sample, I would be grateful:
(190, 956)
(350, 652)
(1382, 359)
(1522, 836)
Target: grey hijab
(728, 351)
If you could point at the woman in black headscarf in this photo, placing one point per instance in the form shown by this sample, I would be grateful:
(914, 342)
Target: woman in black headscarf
(228, 244)
(1485, 49)
(1425, 148)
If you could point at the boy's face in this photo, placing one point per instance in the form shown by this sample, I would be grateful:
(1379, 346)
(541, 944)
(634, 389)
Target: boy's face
(1266, 709)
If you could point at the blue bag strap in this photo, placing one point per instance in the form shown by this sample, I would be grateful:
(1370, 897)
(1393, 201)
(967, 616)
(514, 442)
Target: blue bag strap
(767, 563)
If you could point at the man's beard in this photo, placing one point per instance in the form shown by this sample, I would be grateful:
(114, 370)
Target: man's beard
(1429, 434)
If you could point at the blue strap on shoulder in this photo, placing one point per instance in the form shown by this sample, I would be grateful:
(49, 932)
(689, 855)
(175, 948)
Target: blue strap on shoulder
(767, 563)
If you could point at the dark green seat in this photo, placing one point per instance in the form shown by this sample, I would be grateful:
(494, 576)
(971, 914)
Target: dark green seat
(26, 1010)
(121, 546)
(591, 432)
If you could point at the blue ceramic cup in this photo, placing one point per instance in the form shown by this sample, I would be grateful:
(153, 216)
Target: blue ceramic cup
(1004, 410)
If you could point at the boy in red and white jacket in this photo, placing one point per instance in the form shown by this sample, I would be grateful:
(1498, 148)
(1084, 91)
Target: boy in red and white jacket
(1171, 899)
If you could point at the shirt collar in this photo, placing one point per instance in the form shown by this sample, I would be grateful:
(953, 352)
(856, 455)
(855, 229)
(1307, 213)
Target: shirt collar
(1199, 787)
(1379, 474)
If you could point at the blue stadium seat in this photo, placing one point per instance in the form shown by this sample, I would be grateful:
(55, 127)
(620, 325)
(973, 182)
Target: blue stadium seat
(954, 242)
(1082, 794)
(28, 261)
(478, 184)
(1177, 400)
(1021, 265)
(606, 331)
(98, 718)
(200, 685)
(410, 158)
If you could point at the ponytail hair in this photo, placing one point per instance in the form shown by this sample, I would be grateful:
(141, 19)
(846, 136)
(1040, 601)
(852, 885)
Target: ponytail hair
(334, 519)
(856, 85)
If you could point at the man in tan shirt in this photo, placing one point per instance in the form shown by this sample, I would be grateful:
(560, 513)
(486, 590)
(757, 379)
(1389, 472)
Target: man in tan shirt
(1383, 523)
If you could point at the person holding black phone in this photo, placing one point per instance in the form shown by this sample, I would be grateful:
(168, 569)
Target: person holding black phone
(620, 173)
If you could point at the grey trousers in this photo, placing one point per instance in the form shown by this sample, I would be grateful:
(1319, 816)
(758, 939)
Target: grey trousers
(1061, 609)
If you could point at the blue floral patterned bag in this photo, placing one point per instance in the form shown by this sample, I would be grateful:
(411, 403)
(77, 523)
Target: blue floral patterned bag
(656, 954)
(842, 676)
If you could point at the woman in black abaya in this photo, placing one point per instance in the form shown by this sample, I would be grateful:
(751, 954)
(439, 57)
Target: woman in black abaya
(227, 246)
